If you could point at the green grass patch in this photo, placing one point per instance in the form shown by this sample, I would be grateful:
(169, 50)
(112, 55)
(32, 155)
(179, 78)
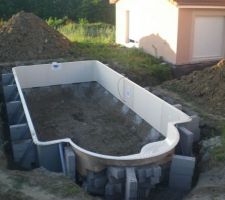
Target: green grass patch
(97, 41)
(19, 181)
(1, 22)
(70, 190)
(218, 153)
(95, 33)
(130, 60)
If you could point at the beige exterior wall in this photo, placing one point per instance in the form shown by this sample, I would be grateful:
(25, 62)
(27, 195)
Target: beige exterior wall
(186, 30)
(155, 26)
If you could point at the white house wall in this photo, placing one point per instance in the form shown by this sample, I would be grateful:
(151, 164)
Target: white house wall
(152, 23)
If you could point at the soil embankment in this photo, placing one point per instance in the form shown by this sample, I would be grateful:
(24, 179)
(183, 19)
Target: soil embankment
(206, 88)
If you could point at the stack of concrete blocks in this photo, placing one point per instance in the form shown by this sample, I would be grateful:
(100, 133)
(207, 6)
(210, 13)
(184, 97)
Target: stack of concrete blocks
(24, 150)
(116, 183)
(131, 187)
(183, 165)
(189, 134)
(119, 183)
(95, 183)
(181, 172)
(186, 141)
(193, 126)
(70, 162)
(147, 177)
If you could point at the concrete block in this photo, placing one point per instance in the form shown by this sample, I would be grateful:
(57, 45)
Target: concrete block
(109, 190)
(155, 180)
(157, 171)
(115, 174)
(186, 141)
(96, 182)
(114, 190)
(184, 164)
(99, 182)
(8, 79)
(144, 193)
(180, 182)
(141, 175)
(11, 93)
(25, 154)
(181, 172)
(19, 148)
(19, 132)
(149, 175)
(62, 157)
(15, 113)
(49, 157)
(193, 126)
(149, 172)
(131, 187)
(70, 160)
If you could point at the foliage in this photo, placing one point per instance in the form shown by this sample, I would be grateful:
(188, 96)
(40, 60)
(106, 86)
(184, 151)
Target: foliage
(55, 22)
(92, 10)
(83, 21)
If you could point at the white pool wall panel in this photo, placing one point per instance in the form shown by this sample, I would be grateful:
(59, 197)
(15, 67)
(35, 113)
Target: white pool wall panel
(158, 113)
(46, 75)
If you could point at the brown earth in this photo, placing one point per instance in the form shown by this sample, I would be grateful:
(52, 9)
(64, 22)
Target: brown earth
(38, 184)
(89, 116)
(206, 88)
(27, 37)
(211, 185)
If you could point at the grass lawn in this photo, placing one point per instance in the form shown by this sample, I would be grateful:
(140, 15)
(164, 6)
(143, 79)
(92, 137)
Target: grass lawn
(218, 153)
(97, 41)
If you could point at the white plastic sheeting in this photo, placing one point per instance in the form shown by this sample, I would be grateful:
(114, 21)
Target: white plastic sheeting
(158, 113)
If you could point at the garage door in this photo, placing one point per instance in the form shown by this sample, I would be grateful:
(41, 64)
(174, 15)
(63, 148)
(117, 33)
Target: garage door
(209, 39)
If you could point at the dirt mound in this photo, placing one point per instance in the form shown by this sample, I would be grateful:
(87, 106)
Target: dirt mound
(27, 37)
(206, 87)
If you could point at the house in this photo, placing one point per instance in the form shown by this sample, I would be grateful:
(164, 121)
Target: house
(179, 31)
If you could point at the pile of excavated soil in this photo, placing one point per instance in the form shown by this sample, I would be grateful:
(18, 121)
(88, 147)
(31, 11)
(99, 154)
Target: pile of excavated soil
(206, 88)
(89, 115)
(27, 37)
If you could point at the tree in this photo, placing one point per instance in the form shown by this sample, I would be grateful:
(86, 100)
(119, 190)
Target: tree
(92, 10)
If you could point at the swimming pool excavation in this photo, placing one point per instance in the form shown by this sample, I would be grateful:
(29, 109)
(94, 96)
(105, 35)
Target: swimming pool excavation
(93, 124)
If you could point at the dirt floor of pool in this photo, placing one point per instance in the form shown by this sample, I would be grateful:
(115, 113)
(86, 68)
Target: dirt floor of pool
(89, 115)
